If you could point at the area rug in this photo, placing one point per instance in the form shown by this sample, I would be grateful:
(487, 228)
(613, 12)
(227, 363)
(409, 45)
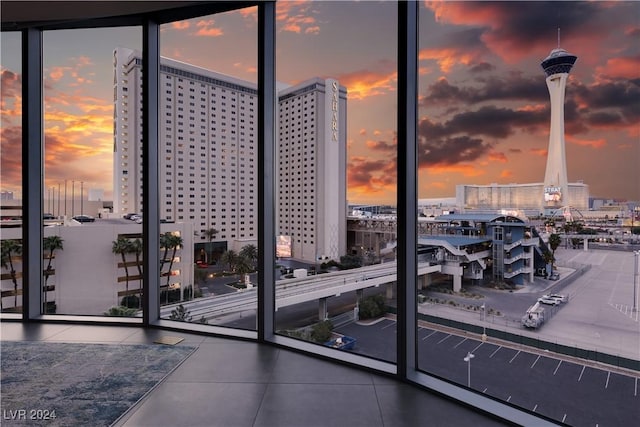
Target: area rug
(70, 384)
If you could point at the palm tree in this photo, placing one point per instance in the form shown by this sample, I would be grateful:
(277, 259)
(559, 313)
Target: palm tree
(210, 234)
(554, 242)
(230, 258)
(174, 242)
(122, 246)
(51, 244)
(164, 244)
(9, 248)
(136, 248)
(250, 252)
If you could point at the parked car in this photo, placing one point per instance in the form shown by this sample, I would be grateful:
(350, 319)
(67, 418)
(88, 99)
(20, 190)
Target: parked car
(84, 218)
(48, 216)
(559, 297)
(548, 301)
(130, 215)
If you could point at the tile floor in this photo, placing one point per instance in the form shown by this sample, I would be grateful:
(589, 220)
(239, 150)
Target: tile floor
(231, 383)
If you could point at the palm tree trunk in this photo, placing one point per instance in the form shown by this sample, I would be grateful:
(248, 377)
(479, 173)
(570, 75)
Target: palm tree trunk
(126, 272)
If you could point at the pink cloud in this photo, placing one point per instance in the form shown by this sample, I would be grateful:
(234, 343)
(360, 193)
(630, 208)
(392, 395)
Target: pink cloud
(207, 28)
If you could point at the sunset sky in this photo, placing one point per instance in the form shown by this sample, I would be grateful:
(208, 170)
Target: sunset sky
(484, 105)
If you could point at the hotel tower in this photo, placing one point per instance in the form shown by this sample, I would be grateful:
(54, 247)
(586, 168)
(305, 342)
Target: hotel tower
(208, 141)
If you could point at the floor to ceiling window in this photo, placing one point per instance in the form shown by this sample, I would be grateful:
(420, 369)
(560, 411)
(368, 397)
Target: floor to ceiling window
(512, 301)
(11, 173)
(336, 174)
(92, 260)
(208, 139)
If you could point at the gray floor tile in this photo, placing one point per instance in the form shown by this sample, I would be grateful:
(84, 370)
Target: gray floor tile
(15, 331)
(310, 405)
(292, 367)
(403, 405)
(199, 405)
(233, 361)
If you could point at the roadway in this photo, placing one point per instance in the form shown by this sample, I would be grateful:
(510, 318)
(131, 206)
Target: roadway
(295, 291)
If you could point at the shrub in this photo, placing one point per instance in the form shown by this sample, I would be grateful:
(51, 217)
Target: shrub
(180, 314)
(372, 307)
(321, 332)
(130, 301)
(121, 311)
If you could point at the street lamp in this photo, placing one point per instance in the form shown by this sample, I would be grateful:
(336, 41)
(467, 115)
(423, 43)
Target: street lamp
(484, 320)
(468, 360)
(636, 274)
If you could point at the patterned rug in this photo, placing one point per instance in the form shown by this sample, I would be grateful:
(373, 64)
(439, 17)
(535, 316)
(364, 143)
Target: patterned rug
(65, 384)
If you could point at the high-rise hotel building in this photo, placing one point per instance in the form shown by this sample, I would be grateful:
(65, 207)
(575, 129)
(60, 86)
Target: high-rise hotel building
(208, 148)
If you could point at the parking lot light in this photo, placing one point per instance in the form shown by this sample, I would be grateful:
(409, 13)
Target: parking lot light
(484, 321)
(636, 274)
(468, 360)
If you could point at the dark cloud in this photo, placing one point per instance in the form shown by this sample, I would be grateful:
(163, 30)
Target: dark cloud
(622, 97)
(511, 87)
(605, 119)
(10, 84)
(495, 122)
(370, 174)
(439, 150)
(482, 67)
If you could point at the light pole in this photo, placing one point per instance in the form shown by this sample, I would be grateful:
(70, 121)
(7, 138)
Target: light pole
(468, 360)
(636, 275)
(484, 321)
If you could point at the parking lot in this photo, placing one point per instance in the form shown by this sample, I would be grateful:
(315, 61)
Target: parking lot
(562, 389)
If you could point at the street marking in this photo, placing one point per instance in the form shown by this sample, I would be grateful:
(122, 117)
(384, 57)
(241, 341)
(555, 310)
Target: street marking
(485, 389)
(432, 332)
(557, 367)
(535, 407)
(456, 346)
(390, 324)
(534, 364)
(514, 356)
(635, 393)
(607, 383)
(509, 398)
(444, 338)
(564, 418)
(494, 352)
(479, 345)
(580, 377)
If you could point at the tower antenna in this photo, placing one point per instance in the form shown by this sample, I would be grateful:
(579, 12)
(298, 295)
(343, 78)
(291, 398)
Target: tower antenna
(558, 37)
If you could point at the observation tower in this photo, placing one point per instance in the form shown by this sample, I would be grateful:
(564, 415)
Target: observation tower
(556, 188)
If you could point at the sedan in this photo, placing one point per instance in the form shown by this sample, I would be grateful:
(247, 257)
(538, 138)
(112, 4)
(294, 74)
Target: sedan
(84, 218)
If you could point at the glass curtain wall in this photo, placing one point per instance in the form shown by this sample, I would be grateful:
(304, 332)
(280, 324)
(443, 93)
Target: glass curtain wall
(11, 174)
(512, 302)
(336, 175)
(92, 253)
(208, 141)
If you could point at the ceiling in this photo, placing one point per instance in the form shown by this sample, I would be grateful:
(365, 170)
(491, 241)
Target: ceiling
(16, 15)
